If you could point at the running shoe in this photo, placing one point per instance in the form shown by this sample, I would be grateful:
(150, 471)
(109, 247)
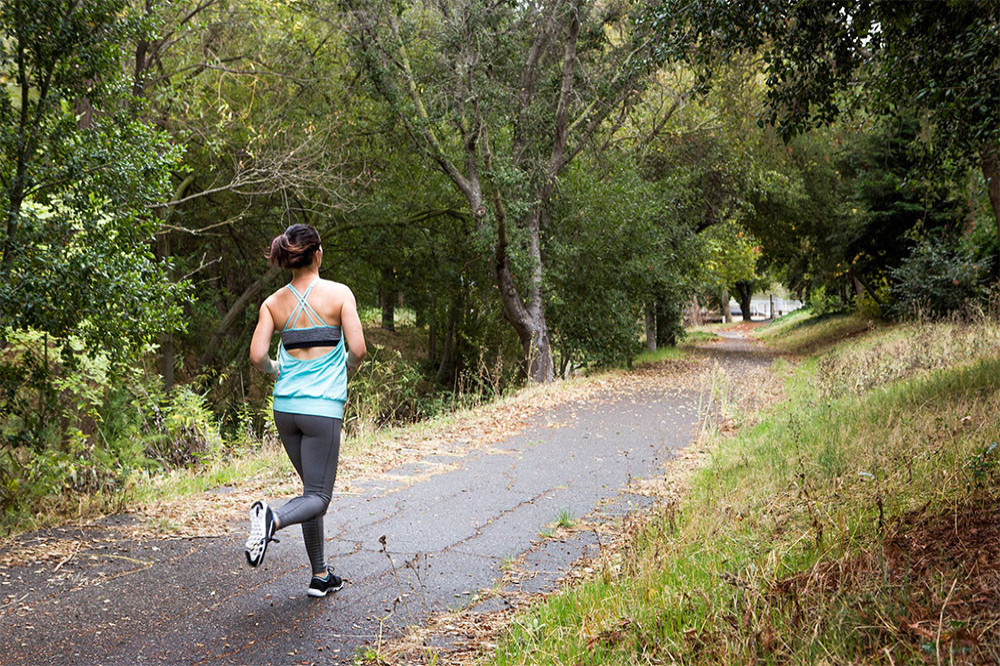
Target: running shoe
(318, 587)
(261, 532)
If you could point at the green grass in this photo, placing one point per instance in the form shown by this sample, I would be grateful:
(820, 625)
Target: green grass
(566, 520)
(661, 354)
(231, 471)
(801, 333)
(694, 337)
(675, 353)
(788, 547)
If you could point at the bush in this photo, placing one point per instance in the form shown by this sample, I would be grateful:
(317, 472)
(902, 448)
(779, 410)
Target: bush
(386, 390)
(821, 303)
(937, 279)
(77, 423)
(184, 431)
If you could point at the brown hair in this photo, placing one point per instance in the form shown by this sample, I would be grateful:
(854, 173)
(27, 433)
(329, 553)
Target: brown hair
(295, 248)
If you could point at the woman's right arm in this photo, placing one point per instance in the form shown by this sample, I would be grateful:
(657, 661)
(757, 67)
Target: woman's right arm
(260, 344)
(350, 324)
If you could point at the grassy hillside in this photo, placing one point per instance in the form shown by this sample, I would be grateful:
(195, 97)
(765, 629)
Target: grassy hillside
(858, 521)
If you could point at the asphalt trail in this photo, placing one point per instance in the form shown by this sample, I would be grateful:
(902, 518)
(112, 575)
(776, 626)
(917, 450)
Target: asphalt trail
(447, 537)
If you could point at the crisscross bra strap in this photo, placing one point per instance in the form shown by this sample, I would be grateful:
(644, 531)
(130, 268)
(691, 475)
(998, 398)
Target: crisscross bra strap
(303, 306)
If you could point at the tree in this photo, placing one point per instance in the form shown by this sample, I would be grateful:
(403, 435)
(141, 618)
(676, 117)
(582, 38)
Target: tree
(938, 59)
(78, 175)
(614, 244)
(502, 98)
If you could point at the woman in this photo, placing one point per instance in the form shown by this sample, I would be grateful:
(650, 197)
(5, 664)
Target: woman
(315, 318)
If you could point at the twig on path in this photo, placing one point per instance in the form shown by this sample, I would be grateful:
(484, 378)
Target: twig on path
(69, 557)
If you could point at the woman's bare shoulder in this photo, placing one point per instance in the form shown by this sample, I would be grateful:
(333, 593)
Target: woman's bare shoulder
(335, 287)
(273, 299)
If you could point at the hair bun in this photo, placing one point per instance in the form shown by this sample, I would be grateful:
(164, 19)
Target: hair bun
(296, 247)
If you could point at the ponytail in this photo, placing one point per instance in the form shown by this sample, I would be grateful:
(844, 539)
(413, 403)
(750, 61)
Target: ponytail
(295, 248)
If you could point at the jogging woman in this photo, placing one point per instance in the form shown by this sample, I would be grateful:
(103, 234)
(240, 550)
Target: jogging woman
(315, 317)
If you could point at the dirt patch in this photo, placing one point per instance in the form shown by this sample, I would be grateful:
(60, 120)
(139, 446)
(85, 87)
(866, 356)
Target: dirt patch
(945, 569)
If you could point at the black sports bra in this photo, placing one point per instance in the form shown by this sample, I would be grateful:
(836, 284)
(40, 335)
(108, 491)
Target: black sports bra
(318, 335)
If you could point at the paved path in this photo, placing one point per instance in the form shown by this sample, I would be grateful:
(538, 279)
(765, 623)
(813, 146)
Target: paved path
(446, 538)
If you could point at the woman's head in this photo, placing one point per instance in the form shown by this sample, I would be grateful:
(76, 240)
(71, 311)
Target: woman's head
(296, 247)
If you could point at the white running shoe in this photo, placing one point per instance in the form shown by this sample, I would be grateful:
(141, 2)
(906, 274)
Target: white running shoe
(261, 532)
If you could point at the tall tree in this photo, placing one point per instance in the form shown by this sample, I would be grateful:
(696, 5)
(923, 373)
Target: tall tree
(502, 97)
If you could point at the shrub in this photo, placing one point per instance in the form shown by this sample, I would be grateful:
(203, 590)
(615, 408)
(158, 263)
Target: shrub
(387, 389)
(77, 423)
(938, 278)
(821, 303)
(184, 431)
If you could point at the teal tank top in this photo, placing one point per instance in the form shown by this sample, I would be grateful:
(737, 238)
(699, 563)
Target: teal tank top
(317, 387)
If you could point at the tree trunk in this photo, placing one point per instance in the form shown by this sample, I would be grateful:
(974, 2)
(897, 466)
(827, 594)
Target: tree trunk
(743, 288)
(651, 326)
(724, 305)
(666, 325)
(13, 222)
(527, 319)
(166, 338)
(538, 354)
(446, 369)
(991, 170)
(387, 299)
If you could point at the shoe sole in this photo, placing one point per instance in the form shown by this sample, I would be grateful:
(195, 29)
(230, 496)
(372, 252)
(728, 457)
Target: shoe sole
(322, 593)
(258, 513)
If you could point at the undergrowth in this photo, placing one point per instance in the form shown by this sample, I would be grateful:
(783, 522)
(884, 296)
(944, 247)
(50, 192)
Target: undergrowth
(858, 522)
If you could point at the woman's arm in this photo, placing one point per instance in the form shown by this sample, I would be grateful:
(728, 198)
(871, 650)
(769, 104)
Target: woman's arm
(261, 343)
(350, 324)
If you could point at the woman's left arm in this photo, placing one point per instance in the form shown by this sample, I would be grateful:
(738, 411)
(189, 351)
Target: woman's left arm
(261, 343)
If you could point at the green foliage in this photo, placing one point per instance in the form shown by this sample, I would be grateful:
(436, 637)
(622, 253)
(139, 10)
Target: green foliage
(183, 429)
(79, 424)
(386, 390)
(79, 172)
(909, 55)
(984, 468)
(615, 246)
(938, 278)
(821, 303)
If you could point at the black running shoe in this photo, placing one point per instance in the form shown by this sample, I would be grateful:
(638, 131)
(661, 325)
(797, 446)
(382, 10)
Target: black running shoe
(261, 532)
(318, 587)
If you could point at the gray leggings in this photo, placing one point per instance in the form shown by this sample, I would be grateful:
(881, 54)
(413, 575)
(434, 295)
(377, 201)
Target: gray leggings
(313, 445)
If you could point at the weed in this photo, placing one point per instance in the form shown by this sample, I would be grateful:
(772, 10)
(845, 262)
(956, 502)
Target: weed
(984, 468)
(566, 520)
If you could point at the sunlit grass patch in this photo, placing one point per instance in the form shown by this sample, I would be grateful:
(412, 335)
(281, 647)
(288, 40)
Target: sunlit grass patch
(661, 354)
(694, 337)
(807, 334)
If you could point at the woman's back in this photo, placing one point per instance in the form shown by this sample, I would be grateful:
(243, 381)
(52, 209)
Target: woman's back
(323, 299)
